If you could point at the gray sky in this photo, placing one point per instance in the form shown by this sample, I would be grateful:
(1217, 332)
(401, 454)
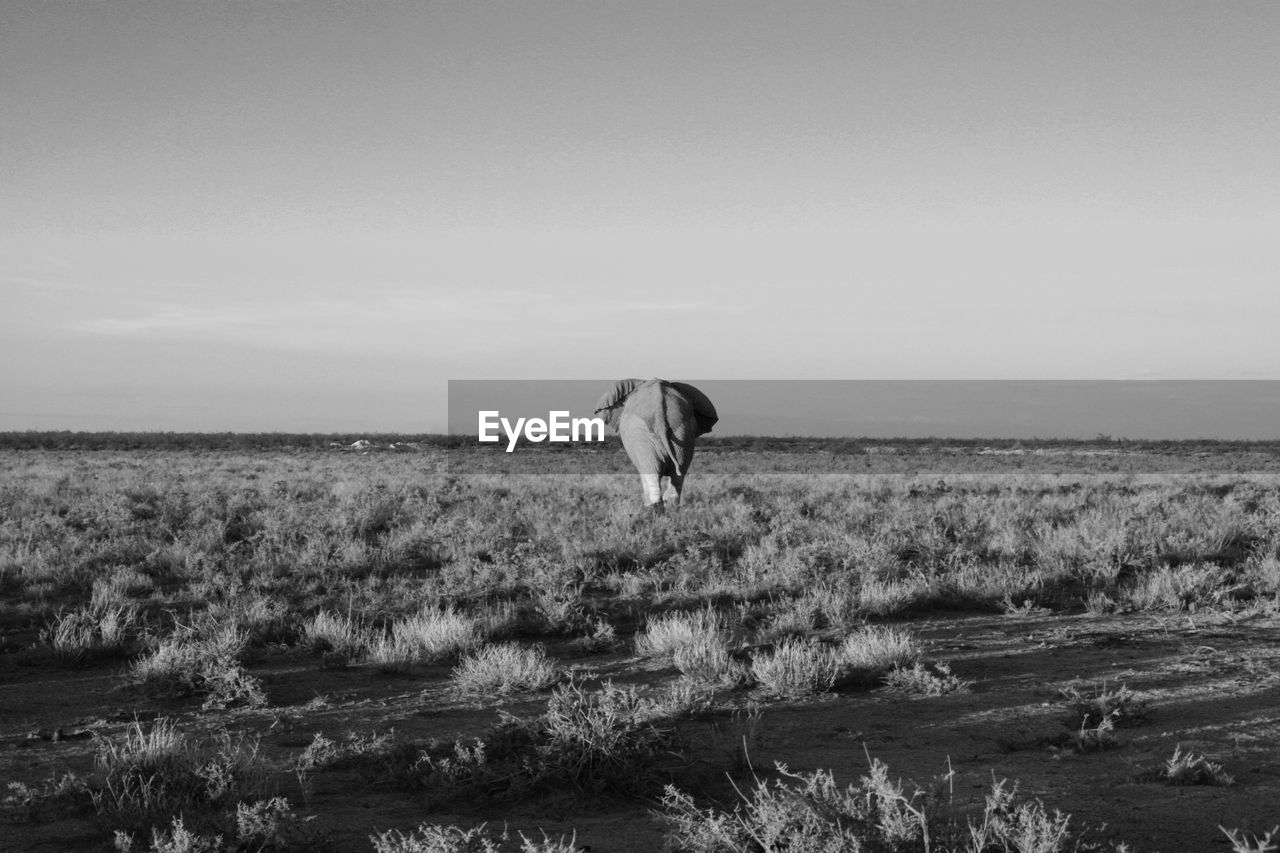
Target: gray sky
(310, 215)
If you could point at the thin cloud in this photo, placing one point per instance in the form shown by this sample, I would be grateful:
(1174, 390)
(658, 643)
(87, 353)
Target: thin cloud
(397, 321)
(624, 307)
(35, 270)
(34, 282)
(183, 322)
(1142, 373)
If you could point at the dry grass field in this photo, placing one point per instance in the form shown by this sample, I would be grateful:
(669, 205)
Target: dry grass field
(894, 648)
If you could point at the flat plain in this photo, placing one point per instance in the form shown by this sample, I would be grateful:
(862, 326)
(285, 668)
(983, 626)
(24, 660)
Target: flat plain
(863, 646)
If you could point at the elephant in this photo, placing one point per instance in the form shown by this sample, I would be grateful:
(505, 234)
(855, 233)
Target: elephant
(658, 422)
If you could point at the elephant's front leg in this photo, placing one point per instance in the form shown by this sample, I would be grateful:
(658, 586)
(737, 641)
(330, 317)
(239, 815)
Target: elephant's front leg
(652, 489)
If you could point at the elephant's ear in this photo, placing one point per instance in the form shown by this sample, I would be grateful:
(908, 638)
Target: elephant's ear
(703, 411)
(609, 406)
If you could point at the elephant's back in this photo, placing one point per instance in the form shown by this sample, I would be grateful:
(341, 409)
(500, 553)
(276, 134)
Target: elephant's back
(658, 426)
(659, 405)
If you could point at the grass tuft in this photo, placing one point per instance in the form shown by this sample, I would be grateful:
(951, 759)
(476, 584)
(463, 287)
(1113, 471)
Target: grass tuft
(796, 669)
(705, 660)
(667, 634)
(94, 632)
(1242, 843)
(872, 652)
(341, 636)
(436, 636)
(505, 668)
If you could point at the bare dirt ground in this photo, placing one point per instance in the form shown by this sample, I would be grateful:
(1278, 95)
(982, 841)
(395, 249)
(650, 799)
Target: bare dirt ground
(1213, 683)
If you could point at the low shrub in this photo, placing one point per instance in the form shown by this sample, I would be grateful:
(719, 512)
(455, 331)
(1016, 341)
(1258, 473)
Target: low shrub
(599, 637)
(920, 680)
(1174, 588)
(1188, 768)
(261, 619)
(323, 754)
(560, 609)
(811, 812)
(602, 739)
(505, 668)
(588, 741)
(63, 795)
(1120, 705)
(175, 839)
(1093, 738)
(201, 659)
(151, 774)
(435, 838)
(259, 827)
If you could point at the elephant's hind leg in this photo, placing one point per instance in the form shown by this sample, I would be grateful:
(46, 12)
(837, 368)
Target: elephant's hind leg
(671, 489)
(652, 489)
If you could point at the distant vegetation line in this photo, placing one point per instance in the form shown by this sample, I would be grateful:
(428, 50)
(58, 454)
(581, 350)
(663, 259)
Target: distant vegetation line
(408, 442)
